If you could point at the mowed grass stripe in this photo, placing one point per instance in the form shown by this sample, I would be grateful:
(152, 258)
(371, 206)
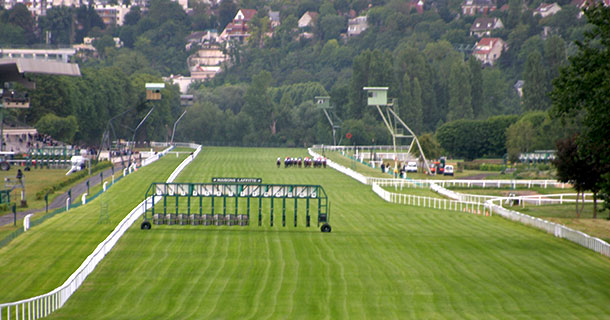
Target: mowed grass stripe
(382, 260)
(44, 257)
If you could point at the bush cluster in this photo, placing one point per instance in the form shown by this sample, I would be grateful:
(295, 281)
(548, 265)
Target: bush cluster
(72, 179)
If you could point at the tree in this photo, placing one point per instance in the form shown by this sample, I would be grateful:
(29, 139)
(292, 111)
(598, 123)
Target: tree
(429, 144)
(87, 19)
(476, 87)
(258, 104)
(514, 12)
(533, 131)
(584, 87)
(519, 138)
(133, 16)
(330, 27)
(475, 138)
(62, 129)
(535, 95)
(554, 56)
(20, 16)
(226, 13)
(416, 108)
(58, 21)
(102, 43)
(579, 169)
(356, 106)
(405, 98)
(460, 101)
(11, 35)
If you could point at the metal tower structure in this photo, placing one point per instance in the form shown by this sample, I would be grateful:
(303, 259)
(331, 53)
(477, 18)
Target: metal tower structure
(335, 123)
(378, 97)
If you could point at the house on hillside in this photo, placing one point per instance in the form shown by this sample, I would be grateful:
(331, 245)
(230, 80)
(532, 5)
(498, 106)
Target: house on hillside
(112, 15)
(238, 28)
(207, 62)
(274, 19)
(475, 7)
(180, 80)
(306, 24)
(483, 26)
(488, 50)
(546, 9)
(519, 88)
(356, 26)
(418, 5)
(584, 4)
(308, 20)
(200, 38)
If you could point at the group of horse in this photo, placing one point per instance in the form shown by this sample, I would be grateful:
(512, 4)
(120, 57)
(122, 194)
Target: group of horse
(302, 163)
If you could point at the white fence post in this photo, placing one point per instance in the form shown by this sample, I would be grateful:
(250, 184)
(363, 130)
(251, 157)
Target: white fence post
(26, 223)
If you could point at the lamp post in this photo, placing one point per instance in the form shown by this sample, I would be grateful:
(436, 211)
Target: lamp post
(171, 142)
(133, 139)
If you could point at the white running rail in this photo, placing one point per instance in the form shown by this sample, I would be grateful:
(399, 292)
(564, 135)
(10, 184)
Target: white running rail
(483, 204)
(556, 229)
(43, 305)
(473, 183)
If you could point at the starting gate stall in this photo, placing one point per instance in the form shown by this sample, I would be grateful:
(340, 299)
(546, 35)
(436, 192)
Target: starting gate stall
(218, 203)
(58, 157)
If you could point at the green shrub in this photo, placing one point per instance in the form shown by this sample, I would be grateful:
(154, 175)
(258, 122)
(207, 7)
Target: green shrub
(491, 167)
(72, 179)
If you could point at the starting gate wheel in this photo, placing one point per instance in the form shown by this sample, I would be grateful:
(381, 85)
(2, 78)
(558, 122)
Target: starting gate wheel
(5, 166)
(326, 227)
(145, 225)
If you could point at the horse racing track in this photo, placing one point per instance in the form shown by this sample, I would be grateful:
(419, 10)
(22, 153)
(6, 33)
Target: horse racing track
(381, 260)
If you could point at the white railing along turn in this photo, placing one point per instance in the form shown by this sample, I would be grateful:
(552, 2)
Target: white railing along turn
(484, 204)
(43, 305)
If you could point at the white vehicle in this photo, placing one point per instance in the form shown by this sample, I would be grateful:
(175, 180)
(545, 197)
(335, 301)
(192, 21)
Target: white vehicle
(411, 166)
(78, 163)
(449, 170)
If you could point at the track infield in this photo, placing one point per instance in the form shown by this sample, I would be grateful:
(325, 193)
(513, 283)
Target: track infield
(381, 261)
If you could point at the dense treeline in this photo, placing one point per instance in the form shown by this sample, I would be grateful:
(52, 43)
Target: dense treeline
(265, 94)
(78, 109)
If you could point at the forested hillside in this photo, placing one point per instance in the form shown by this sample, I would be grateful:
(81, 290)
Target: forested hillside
(264, 96)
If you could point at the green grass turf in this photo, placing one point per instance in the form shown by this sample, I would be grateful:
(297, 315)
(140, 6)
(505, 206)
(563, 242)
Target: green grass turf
(41, 259)
(381, 261)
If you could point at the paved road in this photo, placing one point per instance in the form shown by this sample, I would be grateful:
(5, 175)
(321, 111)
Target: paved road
(60, 201)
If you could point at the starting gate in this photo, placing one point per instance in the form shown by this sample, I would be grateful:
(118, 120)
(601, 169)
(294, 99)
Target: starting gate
(183, 203)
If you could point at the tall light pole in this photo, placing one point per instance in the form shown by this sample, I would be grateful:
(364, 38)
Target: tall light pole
(185, 100)
(171, 142)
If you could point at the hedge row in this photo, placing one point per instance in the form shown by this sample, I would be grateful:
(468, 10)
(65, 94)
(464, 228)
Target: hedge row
(72, 179)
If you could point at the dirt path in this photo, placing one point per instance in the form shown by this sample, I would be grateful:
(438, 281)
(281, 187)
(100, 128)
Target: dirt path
(60, 201)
